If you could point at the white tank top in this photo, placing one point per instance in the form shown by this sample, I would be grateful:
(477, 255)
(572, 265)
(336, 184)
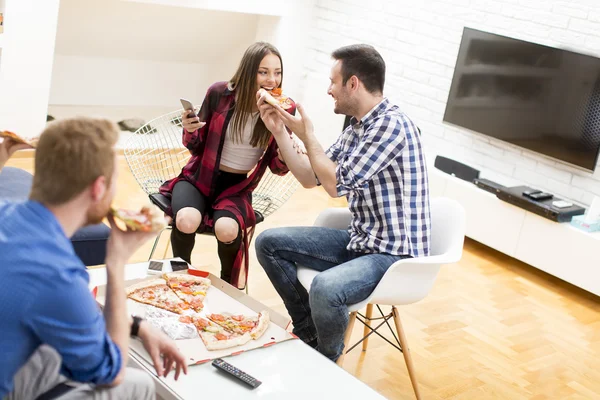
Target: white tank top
(241, 156)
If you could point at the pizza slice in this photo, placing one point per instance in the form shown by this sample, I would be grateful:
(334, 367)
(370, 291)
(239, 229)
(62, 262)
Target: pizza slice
(276, 97)
(189, 288)
(18, 139)
(156, 293)
(215, 337)
(242, 324)
(148, 219)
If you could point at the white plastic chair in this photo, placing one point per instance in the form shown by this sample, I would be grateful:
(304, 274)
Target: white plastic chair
(155, 153)
(406, 281)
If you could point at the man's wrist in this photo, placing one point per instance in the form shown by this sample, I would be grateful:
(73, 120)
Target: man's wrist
(136, 326)
(114, 262)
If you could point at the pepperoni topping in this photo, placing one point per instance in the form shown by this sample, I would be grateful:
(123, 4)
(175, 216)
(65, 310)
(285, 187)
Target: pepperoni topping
(197, 302)
(217, 317)
(220, 336)
(186, 319)
(186, 290)
(238, 318)
(201, 322)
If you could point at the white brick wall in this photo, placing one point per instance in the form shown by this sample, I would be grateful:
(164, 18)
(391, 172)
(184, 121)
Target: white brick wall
(419, 41)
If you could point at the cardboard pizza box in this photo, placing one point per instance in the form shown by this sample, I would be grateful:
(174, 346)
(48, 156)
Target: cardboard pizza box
(220, 298)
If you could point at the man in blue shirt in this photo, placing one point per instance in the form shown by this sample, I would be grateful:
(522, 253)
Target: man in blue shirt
(52, 330)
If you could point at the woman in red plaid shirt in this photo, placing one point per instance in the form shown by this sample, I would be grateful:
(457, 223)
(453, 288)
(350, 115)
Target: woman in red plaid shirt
(231, 149)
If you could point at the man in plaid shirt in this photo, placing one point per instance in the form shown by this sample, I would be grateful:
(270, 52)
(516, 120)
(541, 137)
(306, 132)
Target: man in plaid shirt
(379, 165)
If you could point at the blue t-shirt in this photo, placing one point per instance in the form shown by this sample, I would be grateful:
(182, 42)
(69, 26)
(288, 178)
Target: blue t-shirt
(45, 299)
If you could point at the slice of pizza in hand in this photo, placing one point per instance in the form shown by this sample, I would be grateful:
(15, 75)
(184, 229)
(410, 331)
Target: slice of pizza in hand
(147, 219)
(189, 288)
(276, 97)
(215, 337)
(156, 293)
(18, 139)
(241, 324)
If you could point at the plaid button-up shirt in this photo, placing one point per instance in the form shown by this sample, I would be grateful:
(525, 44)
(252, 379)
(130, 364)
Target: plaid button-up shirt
(381, 169)
(206, 145)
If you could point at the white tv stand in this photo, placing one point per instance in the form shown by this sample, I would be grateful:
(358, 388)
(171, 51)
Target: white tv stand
(556, 248)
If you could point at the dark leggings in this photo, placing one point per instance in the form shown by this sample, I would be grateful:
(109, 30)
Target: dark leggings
(186, 195)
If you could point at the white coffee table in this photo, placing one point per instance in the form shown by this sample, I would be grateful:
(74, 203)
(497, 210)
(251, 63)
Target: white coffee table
(288, 370)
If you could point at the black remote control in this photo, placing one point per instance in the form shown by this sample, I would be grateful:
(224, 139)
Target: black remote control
(241, 375)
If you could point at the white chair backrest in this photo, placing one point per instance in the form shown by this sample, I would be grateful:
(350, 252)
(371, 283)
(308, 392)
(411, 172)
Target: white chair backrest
(447, 226)
(154, 154)
(410, 280)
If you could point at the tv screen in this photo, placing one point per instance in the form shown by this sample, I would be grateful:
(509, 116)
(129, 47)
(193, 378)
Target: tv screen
(537, 97)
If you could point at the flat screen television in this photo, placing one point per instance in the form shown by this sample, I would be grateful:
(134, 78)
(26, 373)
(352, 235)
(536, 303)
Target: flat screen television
(541, 98)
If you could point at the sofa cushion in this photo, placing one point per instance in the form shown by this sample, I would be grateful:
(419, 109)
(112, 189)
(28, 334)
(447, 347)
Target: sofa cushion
(15, 184)
(89, 242)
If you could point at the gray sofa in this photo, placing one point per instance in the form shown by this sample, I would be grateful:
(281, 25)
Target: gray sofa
(89, 242)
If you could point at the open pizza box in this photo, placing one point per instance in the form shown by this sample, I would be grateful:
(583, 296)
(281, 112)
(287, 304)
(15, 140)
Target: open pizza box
(221, 297)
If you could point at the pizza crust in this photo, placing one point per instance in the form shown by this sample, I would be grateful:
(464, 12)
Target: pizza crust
(189, 278)
(148, 219)
(276, 100)
(18, 139)
(143, 285)
(212, 343)
(263, 323)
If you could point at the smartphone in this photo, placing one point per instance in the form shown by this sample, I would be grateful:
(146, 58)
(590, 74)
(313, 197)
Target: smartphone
(179, 265)
(187, 105)
(155, 267)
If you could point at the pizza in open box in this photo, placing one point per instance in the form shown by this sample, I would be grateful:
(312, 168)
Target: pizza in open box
(156, 293)
(241, 324)
(189, 288)
(215, 337)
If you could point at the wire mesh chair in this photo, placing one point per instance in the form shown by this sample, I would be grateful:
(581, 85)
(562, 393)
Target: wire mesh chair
(155, 153)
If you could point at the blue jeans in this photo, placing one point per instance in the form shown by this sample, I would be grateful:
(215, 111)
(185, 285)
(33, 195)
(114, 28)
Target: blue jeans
(346, 278)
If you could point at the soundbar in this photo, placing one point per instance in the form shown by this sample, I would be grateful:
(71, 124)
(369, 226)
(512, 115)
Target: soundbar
(487, 185)
(514, 195)
(455, 168)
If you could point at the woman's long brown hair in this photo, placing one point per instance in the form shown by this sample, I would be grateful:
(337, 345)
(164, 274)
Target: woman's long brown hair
(244, 83)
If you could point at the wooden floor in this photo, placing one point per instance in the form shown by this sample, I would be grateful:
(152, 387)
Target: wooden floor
(492, 328)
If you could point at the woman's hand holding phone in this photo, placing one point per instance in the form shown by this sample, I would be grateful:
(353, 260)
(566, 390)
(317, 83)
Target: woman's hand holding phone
(191, 122)
(189, 117)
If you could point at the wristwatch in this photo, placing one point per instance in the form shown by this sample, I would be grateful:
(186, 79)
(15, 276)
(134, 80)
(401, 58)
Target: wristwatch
(135, 326)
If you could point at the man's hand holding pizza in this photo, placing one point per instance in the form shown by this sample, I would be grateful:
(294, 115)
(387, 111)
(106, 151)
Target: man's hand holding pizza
(8, 147)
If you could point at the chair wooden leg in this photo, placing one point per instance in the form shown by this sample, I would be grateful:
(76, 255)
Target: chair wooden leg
(406, 351)
(347, 335)
(368, 316)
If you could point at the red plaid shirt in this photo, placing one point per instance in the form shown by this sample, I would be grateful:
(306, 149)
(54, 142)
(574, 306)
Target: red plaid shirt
(206, 145)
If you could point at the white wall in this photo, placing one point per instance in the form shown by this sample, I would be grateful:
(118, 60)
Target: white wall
(263, 7)
(420, 41)
(26, 64)
(289, 33)
(120, 57)
(118, 53)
